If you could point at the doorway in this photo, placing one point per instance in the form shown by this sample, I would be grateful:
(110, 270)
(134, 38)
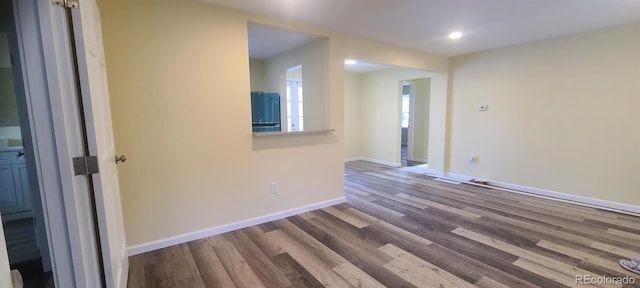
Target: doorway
(414, 121)
(374, 124)
(20, 208)
(64, 78)
(406, 117)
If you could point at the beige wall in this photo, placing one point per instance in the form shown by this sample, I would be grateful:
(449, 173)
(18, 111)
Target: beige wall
(562, 117)
(381, 107)
(179, 79)
(8, 107)
(563, 114)
(353, 115)
(439, 105)
(313, 58)
(257, 75)
(420, 124)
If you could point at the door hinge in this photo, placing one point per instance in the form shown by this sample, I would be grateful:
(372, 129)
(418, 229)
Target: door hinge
(67, 3)
(85, 165)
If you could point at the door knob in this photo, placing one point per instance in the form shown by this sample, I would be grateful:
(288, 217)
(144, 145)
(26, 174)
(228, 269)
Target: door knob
(121, 158)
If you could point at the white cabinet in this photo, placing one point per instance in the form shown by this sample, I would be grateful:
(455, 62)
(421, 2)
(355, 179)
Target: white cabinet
(7, 190)
(21, 183)
(15, 198)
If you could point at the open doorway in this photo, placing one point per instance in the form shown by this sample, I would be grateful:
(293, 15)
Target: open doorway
(20, 208)
(405, 121)
(387, 113)
(414, 121)
(64, 81)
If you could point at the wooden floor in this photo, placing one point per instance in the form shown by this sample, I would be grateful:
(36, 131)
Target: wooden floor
(403, 229)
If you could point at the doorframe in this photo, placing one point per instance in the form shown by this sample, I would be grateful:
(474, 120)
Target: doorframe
(41, 28)
(410, 131)
(411, 118)
(37, 213)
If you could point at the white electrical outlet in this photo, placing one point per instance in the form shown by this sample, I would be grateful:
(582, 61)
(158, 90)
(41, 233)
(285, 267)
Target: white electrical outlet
(274, 188)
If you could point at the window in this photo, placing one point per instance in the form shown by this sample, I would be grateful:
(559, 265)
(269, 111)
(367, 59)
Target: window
(295, 110)
(295, 99)
(405, 110)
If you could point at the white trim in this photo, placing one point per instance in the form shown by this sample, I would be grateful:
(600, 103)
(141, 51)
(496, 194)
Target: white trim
(459, 177)
(381, 162)
(551, 195)
(434, 173)
(84, 268)
(411, 120)
(39, 26)
(570, 198)
(537, 192)
(166, 242)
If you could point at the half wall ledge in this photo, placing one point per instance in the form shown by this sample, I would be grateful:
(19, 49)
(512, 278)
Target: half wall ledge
(294, 133)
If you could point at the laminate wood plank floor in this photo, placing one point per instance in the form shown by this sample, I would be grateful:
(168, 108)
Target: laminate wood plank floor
(401, 228)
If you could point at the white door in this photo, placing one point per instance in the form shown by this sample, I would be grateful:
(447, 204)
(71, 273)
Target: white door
(51, 108)
(97, 112)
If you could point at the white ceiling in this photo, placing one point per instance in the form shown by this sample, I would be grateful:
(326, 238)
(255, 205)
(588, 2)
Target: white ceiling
(425, 24)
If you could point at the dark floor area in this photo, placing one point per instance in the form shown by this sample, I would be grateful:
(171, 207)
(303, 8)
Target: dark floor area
(21, 240)
(32, 274)
(24, 254)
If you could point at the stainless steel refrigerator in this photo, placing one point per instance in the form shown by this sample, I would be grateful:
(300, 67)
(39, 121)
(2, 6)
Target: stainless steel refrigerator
(265, 112)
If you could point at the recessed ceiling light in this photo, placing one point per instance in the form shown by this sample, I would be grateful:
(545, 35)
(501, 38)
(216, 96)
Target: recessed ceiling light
(455, 35)
(350, 61)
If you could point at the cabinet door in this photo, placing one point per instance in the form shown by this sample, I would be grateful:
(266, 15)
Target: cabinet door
(21, 184)
(7, 192)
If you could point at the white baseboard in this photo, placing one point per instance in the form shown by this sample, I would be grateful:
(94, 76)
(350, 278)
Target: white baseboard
(566, 197)
(434, 173)
(377, 161)
(459, 177)
(163, 243)
(521, 189)
(553, 195)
